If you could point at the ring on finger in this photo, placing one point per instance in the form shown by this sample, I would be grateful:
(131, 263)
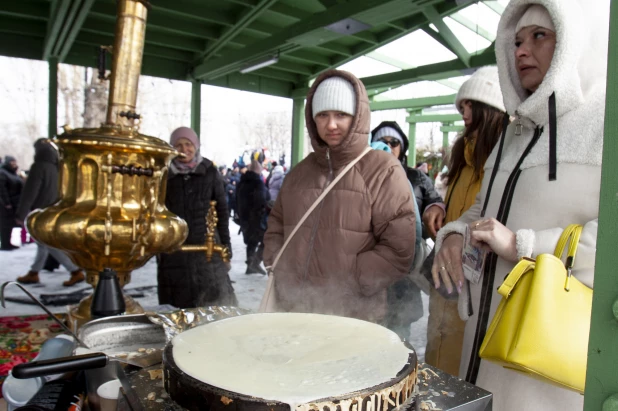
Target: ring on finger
(442, 268)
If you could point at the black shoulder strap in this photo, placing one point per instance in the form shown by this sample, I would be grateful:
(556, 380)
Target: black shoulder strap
(494, 171)
(552, 138)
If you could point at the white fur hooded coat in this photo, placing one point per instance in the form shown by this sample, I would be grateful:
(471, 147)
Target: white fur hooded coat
(540, 208)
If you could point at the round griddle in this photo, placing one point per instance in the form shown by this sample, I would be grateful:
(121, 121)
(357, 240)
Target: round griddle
(193, 394)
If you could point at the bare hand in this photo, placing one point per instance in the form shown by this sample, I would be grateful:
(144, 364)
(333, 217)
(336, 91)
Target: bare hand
(433, 218)
(447, 263)
(493, 235)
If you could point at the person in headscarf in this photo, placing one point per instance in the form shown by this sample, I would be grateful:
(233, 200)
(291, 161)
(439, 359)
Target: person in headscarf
(186, 279)
(552, 64)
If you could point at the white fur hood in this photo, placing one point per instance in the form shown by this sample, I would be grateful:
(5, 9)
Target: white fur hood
(579, 66)
(577, 75)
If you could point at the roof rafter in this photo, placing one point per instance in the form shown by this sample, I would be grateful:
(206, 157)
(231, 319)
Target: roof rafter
(431, 72)
(245, 19)
(283, 42)
(66, 20)
(450, 40)
(413, 103)
(486, 34)
(495, 6)
(412, 23)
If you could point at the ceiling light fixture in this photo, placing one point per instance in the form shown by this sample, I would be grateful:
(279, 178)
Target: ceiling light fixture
(258, 64)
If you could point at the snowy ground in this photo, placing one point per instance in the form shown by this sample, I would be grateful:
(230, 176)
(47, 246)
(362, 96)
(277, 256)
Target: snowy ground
(249, 288)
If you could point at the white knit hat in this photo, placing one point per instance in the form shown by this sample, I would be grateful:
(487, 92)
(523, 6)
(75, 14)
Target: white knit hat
(387, 132)
(536, 15)
(336, 94)
(483, 86)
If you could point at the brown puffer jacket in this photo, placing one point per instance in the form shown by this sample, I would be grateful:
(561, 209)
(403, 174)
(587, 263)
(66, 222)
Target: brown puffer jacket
(358, 241)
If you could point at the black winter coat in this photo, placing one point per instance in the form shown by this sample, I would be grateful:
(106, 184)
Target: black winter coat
(424, 190)
(251, 202)
(41, 189)
(10, 190)
(186, 279)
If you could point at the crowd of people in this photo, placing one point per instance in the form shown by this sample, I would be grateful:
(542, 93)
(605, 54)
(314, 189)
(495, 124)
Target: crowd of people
(345, 228)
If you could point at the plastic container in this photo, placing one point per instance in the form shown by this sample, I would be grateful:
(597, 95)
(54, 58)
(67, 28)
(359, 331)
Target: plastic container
(17, 392)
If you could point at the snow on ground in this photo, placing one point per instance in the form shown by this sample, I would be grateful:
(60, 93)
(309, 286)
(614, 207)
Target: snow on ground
(249, 288)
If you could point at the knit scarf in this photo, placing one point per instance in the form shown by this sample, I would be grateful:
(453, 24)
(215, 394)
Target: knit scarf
(178, 167)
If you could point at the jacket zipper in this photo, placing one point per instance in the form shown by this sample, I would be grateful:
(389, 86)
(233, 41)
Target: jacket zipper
(317, 220)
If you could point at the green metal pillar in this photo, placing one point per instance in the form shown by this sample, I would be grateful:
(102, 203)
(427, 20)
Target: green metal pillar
(196, 106)
(412, 145)
(602, 375)
(298, 131)
(53, 98)
(445, 135)
(412, 137)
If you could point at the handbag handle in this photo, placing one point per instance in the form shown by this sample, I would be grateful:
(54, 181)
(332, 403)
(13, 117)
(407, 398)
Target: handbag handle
(572, 232)
(315, 204)
(522, 267)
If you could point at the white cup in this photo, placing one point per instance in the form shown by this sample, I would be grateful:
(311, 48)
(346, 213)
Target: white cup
(108, 394)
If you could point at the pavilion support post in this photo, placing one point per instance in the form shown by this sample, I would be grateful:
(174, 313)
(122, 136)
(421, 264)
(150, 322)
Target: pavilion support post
(412, 139)
(298, 131)
(445, 136)
(53, 97)
(602, 374)
(196, 107)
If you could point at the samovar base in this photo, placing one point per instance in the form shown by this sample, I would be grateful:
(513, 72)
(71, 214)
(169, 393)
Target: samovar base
(79, 314)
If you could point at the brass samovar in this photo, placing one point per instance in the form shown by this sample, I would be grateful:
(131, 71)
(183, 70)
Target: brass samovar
(111, 212)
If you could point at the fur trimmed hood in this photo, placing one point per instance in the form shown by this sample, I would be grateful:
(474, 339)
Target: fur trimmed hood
(579, 66)
(577, 75)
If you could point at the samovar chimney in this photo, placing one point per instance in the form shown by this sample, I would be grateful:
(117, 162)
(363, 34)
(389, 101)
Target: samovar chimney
(126, 62)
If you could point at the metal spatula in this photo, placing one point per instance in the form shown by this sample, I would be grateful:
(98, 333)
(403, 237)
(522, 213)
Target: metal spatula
(81, 362)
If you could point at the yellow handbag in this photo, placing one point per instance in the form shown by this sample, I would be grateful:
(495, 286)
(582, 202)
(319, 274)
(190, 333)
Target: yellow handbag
(542, 324)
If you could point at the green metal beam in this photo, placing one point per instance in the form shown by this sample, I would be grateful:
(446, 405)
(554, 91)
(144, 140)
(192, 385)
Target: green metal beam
(452, 129)
(474, 27)
(25, 10)
(284, 41)
(62, 36)
(411, 23)
(33, 28)
(412, 140)
(167, 8)
(298, 130)
(58, 13)
(433, 72)
(495, 6)
(450, 40)
(412, 103)
(64, 46)
(433, 118)
(161, 21)
(602, 374)
(445, 143)
(196, 107)
(247, 18)
(53, 98)
(404, 66)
